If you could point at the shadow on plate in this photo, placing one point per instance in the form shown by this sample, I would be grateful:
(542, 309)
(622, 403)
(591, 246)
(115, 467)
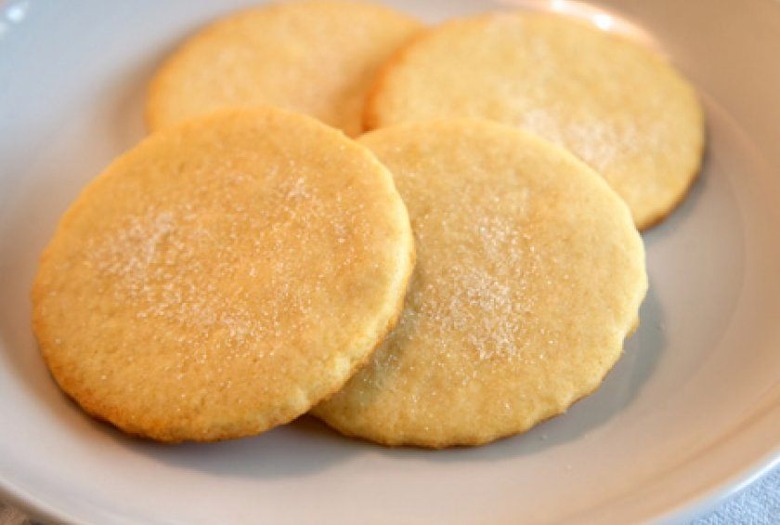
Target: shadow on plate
(308, 445)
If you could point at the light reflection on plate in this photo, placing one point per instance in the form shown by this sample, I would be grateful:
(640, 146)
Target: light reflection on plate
(606, 20)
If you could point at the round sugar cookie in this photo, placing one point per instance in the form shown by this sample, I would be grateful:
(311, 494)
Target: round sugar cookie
(529, 277)
(618, 106)
(223, 276)
(317, 57)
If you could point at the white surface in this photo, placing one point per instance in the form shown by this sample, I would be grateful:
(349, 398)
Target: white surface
(757, 504)
(690, 413)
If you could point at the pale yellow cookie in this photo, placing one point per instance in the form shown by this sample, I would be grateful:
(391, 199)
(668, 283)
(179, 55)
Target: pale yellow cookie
(618, 106)
(317, 57)
(223, 276)
(529, 277)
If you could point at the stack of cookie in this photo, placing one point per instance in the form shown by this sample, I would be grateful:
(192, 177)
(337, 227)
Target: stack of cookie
(424, 236)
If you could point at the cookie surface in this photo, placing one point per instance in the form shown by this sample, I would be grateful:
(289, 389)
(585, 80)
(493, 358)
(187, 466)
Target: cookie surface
(316, 57)
(616, 105)
(529, 276)
(223, 276)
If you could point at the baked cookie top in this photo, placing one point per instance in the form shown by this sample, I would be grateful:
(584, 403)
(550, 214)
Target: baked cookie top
(223, 276)
(316, 57)
(615, 104)
(529, 277)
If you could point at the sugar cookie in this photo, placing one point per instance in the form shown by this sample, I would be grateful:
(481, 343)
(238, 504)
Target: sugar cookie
(223, 276)
(316, 57)
(616, 105)
(529, 276)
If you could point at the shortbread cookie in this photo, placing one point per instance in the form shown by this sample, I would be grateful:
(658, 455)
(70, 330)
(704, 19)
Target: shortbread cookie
(316, 57)
(529, 276)
(618, 106)
(223, 276)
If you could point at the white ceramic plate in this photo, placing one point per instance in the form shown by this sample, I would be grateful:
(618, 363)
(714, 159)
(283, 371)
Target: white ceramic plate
(690, 412)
